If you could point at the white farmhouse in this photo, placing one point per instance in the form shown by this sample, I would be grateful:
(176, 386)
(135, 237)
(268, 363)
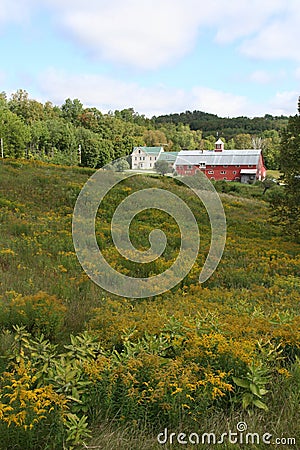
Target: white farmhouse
(145, 157)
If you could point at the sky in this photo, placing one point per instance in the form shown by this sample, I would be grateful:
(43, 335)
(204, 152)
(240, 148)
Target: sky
(226, 57)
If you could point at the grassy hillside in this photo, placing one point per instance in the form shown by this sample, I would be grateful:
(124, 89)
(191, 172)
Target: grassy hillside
(199, 358)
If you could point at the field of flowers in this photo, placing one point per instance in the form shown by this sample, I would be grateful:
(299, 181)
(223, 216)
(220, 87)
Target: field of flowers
(80, 367)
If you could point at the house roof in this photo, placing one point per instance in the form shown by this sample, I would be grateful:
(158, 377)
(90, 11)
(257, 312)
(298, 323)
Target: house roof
(150, 150)
(168, 156)
(226, 157)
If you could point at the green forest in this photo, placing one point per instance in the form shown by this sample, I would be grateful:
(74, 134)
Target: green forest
(33, 130)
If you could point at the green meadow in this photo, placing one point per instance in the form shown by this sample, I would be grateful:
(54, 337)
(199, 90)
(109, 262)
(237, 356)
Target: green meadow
(82, 368)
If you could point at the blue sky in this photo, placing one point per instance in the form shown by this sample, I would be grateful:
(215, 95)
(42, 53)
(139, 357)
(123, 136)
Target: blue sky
(231, 58)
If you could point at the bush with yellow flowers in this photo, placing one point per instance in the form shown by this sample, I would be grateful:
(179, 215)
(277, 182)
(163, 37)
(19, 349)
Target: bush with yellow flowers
(40, 313)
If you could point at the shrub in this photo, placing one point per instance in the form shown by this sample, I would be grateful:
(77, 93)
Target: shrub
(40, 313)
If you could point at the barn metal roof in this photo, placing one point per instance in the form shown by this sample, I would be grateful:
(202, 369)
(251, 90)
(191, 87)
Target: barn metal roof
(168, 156)
(226, 157)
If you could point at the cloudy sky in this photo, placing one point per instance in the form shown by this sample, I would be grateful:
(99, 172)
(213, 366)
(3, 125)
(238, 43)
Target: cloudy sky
(231, 58)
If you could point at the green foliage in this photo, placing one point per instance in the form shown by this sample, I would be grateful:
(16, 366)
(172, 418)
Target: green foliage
(211, 124)
(254, 385)
(121, 165)
(40, 313)
(287, 207)
(268, 183)
(162, 167)
(76, 430)
(15, 134)
(71, 110)
(50, 133)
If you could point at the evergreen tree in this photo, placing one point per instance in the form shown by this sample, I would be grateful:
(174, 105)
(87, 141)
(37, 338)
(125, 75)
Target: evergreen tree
(287, 207)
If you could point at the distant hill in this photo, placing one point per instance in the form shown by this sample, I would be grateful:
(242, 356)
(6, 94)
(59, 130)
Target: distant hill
(211, 124)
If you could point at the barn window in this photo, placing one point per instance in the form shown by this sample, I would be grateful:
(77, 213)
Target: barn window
(234, 172)
(223, 172)
(225, 166)
(210, 171)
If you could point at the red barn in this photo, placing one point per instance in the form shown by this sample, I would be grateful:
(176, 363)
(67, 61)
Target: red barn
(245, 166)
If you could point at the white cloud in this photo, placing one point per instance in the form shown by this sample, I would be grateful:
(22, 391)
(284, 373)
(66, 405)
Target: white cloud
(218, 102)
(107, 93)
(149, 35)
(240, 18)
(260, 76)
(16, 11)
(110, 94)
(297, 73)
(284, 103)
(279, 39)
(142, 34)
(264, 77)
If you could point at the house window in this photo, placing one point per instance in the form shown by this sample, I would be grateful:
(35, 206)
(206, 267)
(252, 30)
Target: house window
(139, 151)
(223, 172)
(155, 158)
(150, 164)
(141, 165)
(210, 171)
(143, 158)
(135, 158)
(150, 158)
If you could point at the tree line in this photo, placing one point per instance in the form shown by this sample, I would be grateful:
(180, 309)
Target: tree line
(31, 129)
(229, 127)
